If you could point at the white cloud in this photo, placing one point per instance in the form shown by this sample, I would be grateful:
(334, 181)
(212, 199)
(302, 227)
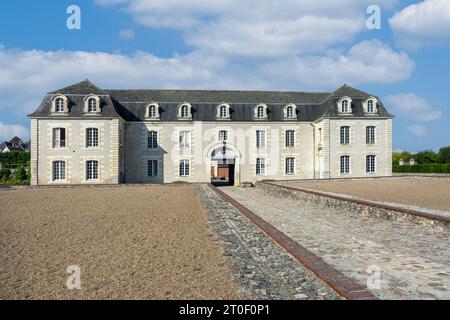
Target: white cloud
(417, 130)
(7, 131)
(422, 23)
(127, 34)
(43, 71)
(411, 106)
(366, 62)
(255, 28)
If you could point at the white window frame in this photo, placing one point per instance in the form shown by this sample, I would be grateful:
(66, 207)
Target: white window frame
(290, 111)
(260, 138)
(92, 138)
(223, 111)
(152, 139)
(260, 167)
(57, 142)
(345, 164)
(223, 135)
(290, 138)
(371, 166)
(58, 170)
(260, 112)
(370, 135)
(344, 135)
(92, 167)
(184, 139)
(185, 168)
(152, 168)
(289, 165)
(152, 112)
(91, 105)
(185, 111)
(59, 107)
(347, 102)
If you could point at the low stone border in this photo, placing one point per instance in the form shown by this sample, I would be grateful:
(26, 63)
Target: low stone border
(337, 281)
(354, 204)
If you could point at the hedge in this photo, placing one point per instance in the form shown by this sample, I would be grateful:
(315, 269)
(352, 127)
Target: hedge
(423, 168)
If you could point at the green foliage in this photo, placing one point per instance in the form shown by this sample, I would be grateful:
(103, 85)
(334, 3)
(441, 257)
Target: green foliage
(423, 168)
(5, 174)
(427, 156)
(20, 175)
(15, 158)
(444, 155)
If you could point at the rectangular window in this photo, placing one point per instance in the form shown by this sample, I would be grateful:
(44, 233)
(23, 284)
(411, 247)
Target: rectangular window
(290, 138)
(370, 164)
(152, 141)
(260, 166)
(184, 168)
(223, 135)
(345, 135)
(345, 164)
(370, 135)
(152, 168)
(91, 137)
(91, 170)
(260, 138)
(59, 138)
(185, 139)
(59, 170)
(290, 165)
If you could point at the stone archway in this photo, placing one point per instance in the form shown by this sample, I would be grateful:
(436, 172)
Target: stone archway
(228, 157)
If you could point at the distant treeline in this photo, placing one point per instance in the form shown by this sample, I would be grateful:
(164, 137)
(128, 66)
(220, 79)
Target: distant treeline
(427, 161)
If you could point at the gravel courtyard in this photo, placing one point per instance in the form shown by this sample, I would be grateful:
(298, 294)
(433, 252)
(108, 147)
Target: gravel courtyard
(431, 193)
(134, 242)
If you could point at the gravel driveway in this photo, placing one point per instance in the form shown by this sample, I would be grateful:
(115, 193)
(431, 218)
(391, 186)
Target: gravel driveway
(133, 242)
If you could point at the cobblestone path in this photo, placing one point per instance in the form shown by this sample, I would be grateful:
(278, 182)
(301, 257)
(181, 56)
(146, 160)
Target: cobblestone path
(261, 269)
(412, 261)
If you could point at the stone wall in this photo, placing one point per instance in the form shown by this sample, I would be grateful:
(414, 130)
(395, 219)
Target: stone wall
(354, 206)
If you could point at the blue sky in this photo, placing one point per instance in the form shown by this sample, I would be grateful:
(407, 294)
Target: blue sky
(229, 44)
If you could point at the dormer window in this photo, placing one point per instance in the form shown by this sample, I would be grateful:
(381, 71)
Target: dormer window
(185, 111)
(60, 104)
(223, 111)
(345, 105)
(370, 105)
(152, 111)
(92, 104)
(261, 111)
(290, 111)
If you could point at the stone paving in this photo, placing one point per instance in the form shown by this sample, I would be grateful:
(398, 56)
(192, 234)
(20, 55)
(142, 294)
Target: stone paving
(411, 260)
(261, 269)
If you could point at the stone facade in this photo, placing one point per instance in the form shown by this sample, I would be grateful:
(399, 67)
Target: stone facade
(134, 145)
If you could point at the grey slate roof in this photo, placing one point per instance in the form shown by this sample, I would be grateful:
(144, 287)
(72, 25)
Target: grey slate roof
(130, 104)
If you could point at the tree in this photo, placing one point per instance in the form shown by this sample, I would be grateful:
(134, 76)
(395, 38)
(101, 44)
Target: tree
(444, 155)
(20, 174)
(5, 174)
(427, 156)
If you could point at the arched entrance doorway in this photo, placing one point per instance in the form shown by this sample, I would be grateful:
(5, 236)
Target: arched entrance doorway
(224, 160)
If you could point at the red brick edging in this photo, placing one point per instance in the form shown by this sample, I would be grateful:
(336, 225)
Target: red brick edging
(412, 212)
(337, 281)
